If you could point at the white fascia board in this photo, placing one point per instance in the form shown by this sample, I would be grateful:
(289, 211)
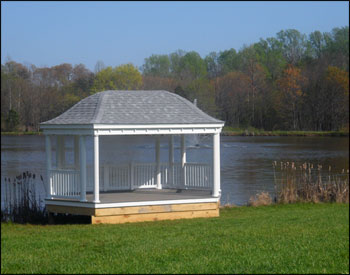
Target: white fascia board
(169, 131)
(152, 129)
(157, 129)
(155, 126)
(126, 204)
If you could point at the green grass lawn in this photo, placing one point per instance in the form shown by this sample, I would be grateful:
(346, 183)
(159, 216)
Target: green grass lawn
(295, 238)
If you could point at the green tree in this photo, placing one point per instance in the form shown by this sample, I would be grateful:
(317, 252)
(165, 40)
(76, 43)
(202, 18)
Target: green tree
(293, 45)
(337, 47)
(203, 91)
(127, 77)
(192, 66)
(228, 61)
(175, 63)
(157, 65)
(212, 64)
(104, 80)
(12, 121)
(316, 44)
(270, 55)
(123, 77)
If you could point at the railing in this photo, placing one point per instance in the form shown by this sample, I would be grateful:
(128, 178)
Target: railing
(116, 177)
(66, 182)
(198, 176)
(143, 175)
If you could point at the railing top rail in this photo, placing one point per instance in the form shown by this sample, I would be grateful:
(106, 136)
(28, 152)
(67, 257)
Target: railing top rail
(64, 170)
(196, 164)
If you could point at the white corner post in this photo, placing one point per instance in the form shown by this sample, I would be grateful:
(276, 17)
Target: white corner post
(60, 152)
(158, 175)
(216, 165)
(183, 160)
(171, 160)
(76, 152)
(48, 165)
(82, 150)
(96, 170)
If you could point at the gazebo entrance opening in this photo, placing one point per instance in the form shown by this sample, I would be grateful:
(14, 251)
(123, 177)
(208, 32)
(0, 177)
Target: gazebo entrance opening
(148, 166)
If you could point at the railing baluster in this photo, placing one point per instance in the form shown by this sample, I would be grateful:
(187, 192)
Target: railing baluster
(65, 183)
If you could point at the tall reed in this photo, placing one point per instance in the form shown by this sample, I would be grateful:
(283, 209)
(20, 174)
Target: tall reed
(21, 201)
(307, 182)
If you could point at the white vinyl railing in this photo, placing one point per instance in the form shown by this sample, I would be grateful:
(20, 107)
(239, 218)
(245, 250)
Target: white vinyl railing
(66, 182)
(116, 178)
(198, 176)
(143, 175)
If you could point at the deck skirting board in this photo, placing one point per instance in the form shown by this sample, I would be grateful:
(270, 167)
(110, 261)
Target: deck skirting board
(141, 213)
(155, 216)
(155, 209)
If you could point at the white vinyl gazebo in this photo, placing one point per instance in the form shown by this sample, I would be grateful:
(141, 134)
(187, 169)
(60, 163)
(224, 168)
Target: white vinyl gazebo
(129, 192)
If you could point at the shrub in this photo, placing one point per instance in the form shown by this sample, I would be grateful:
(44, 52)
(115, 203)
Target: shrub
(309, 183)
(259, 199)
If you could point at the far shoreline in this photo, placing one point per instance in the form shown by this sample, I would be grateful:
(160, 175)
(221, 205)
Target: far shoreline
(238, 132)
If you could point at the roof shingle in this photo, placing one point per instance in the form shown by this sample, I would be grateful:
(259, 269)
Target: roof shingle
(133, 107)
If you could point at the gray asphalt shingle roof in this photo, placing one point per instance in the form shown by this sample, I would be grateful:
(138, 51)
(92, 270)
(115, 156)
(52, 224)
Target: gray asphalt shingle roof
(133, 107)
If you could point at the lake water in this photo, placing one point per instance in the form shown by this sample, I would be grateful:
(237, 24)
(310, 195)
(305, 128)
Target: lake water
(246, 162)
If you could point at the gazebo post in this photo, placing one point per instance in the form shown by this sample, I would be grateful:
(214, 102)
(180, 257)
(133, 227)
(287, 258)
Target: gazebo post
(183, 160)
(58, 149)
(48, 165)
(63, 152)
(96, 170)
(216, 165)
(82, 151)
(76, 152)
(60, 152)
(158, 175)
(171, 159)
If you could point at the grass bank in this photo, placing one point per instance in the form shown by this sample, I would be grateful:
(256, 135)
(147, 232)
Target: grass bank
(293, 238)
(20, 133)
(250, 131)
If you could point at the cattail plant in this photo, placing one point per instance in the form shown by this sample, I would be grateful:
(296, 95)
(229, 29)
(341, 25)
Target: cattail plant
(304, 183)
(21, 202)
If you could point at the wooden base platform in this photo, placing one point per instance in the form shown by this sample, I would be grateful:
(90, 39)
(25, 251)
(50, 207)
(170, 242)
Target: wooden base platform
(142, 213)
(140, 206)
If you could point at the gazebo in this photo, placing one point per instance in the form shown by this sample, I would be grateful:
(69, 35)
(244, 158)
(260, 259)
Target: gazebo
(131, 192)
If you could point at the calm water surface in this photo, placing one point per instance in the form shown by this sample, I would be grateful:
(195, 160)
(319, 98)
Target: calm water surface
(246, 162)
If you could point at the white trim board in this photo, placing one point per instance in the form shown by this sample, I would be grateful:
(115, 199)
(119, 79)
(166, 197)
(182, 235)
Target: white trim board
(126, 204)
(132, 131)
(129, 126)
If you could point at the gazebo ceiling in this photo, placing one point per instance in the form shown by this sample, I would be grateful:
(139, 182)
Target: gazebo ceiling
(133, 108)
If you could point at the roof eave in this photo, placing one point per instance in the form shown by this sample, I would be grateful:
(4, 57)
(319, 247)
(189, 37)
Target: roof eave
(130, 126)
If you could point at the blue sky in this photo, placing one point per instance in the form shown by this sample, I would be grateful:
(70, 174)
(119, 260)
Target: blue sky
(51, 33)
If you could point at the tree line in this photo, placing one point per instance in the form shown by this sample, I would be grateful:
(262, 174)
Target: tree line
(287, 82)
